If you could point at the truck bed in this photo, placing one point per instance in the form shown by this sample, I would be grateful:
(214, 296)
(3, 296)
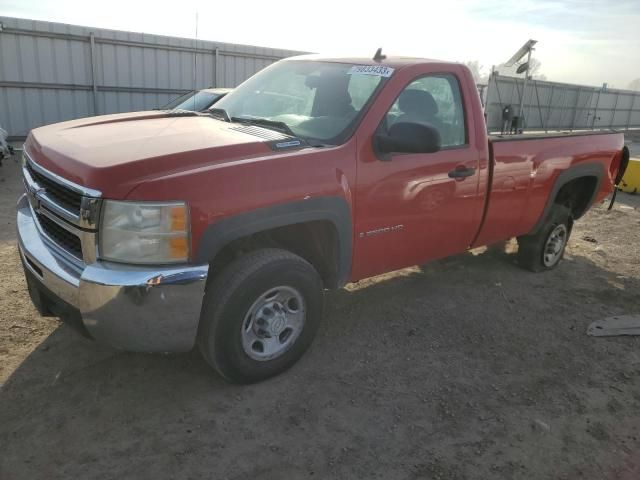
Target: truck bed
(525, 172)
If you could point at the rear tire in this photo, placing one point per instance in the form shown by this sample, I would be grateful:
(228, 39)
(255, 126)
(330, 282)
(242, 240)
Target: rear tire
(260, 315)
(544, 249)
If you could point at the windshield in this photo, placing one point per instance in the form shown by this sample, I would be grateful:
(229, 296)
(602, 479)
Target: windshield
(316, 100)
(190, 101)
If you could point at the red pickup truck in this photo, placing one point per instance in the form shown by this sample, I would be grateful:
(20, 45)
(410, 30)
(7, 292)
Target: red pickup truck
(156, 231)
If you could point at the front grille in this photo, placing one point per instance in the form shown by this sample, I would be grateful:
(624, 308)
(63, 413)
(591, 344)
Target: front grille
(64, 196)
(61, 236)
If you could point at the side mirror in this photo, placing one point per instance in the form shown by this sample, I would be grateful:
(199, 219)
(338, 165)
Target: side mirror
(408, 137)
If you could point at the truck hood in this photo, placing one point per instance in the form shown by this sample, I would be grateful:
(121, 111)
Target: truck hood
(115, 153)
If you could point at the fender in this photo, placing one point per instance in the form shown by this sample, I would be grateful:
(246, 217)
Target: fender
(581, 170)
(333, 209)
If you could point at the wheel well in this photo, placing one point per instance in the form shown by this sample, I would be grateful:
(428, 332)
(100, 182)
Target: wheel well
(577, 194)
(315, 241)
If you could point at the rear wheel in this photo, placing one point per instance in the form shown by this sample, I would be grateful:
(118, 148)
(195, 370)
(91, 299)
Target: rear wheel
(260, 315)
(544, 250)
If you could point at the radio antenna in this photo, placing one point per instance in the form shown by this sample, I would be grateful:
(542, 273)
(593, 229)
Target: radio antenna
(379, 56)
(195, 64)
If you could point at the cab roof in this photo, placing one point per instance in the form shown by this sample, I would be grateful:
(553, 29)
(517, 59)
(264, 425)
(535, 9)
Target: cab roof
(394, 62)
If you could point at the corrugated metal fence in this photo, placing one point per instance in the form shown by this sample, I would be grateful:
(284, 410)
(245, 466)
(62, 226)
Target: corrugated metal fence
(50, 72)
(561, 106)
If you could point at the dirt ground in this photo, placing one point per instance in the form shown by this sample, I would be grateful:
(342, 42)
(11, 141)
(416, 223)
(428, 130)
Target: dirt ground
(467, 368)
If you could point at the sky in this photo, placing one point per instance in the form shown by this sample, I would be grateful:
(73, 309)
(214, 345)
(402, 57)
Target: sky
(579, 41)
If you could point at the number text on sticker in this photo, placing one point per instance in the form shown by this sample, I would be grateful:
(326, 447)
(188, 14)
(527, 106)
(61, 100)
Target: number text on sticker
(376, 70)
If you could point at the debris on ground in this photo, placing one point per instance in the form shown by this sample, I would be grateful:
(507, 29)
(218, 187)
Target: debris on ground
(613, 326)
(541, 426)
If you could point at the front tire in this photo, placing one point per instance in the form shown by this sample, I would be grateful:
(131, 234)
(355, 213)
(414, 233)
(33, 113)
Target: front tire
(260, 315)
(544, 250)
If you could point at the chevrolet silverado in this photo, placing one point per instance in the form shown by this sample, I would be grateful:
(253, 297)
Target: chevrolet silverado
(160, 231)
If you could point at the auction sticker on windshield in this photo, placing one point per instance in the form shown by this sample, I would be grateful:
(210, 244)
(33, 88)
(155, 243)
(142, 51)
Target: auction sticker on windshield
(376, 70)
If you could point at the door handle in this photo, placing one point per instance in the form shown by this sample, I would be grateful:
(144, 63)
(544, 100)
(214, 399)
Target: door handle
(461, 172)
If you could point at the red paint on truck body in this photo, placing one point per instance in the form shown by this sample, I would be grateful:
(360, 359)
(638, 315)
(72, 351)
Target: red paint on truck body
(222, 172)
(525, 171)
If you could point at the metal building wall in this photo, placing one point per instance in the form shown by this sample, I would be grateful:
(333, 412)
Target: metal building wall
(561, 106)
(51, 72)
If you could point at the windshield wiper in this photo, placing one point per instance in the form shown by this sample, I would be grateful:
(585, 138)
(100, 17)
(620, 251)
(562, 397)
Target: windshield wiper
(265, 122)
(220, 113)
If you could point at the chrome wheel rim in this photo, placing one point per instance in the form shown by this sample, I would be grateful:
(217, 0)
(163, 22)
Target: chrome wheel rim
(273, 323)
(554, 246)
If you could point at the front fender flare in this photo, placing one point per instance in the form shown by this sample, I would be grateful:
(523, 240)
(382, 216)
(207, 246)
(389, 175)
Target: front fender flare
(333, 209)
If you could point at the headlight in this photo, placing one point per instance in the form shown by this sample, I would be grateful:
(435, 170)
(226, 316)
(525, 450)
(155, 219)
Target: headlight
(144, 232)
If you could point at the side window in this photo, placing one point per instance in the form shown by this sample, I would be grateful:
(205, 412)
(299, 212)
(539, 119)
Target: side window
(433, 99)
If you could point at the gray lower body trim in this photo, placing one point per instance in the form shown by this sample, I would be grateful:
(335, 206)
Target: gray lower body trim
(578, 171)
(333, 209)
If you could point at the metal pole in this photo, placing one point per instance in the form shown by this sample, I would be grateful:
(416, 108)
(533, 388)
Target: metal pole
(195, 63)
(575, 110)
(213, 69)
(535, 84)
(495, 80)
(481, 88)
(613, 114)
(524, 91)
(562, 107)
(494, 76)
(595, 111)
(633, 102)
(216, 54)
(94, 75)
(546, 122)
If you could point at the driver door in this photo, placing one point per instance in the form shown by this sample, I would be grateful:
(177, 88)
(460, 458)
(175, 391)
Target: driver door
(415, 207)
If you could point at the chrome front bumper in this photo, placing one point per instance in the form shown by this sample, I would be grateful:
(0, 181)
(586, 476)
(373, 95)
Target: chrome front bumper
(140, 309)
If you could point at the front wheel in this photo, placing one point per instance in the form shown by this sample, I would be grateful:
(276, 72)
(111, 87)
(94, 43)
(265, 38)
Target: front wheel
(544, 250)
(260, 315)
